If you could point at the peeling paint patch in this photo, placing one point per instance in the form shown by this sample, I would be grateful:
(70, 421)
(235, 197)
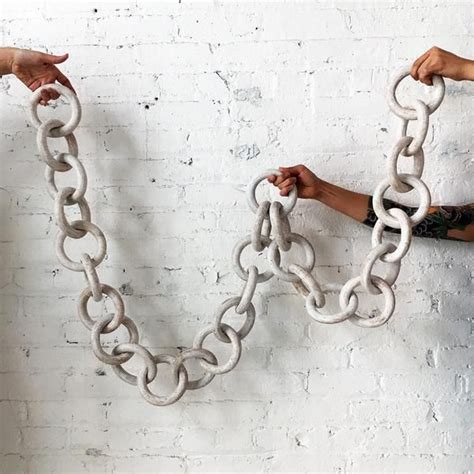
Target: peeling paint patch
(247, 152)
(252, 94)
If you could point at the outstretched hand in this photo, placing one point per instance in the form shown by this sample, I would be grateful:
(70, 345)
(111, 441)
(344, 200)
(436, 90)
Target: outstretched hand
(306, 182)
(36, 69)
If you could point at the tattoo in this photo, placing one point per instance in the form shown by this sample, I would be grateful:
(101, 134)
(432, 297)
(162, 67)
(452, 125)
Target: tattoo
(436, 224)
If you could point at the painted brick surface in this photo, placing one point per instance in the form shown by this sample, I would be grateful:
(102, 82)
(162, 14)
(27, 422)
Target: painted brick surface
(182, 104)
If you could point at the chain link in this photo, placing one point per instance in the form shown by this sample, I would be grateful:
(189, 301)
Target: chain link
(271, 233)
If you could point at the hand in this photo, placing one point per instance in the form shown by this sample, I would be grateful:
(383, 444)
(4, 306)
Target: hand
(307, 183)
(443, 63)
(36, 69)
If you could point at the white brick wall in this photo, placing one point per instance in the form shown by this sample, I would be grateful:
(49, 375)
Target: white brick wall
(182, 104)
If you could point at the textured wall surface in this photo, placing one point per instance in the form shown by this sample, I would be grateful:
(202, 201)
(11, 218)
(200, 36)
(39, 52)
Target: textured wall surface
(182, 105)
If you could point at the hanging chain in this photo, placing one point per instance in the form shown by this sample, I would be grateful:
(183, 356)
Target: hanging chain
(271, 233)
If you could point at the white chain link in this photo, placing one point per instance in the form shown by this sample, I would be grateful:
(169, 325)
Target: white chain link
(271, 232)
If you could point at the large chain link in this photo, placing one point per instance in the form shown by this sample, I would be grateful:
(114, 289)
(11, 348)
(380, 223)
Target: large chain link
(271, 233)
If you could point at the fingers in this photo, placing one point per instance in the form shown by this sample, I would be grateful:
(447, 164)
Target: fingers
(293, 170)
(416, 65)
(286, 186)
(62, 79)
(277, 180)
(53, 59)
(45, 96)
(425, 75)
(53, 94)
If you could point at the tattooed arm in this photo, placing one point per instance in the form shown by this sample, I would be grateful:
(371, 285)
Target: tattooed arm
(442, 222)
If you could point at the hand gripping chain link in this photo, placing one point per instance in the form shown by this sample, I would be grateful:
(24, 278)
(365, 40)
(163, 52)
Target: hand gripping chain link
(271, 233)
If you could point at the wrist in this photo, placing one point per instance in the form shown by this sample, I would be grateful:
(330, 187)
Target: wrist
(468, 70)
(318, 190)
(7, 59)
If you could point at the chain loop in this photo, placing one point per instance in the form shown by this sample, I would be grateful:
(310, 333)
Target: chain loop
(248, 291)
(280, 226)
(178, 392)
(252, 188)
(128, 350)
(202, 354)
(98, 329)
(414, 182)
(347, 294)
(58, 130)
(234, 339)
(346, 312)
(91, 277)
(88, 227)
(246, 327)
(307, 284)
(273, 252)
(417, 142)
(74, 163)
(114, 295)
(237, 265)
(42, 142)
(405, 235)
(417, 170)
(410, 113)
(366, 274)
(258, 230)
(61, 198)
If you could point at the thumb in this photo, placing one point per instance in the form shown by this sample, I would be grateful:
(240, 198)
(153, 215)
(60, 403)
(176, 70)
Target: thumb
(53, 59)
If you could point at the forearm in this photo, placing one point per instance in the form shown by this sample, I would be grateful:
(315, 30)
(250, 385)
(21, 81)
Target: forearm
(442, 222)
(350, 203)
(6, 60)
(468, 70)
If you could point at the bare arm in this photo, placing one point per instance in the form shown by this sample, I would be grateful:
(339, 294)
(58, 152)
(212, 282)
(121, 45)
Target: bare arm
(443, 63)
(442, 222)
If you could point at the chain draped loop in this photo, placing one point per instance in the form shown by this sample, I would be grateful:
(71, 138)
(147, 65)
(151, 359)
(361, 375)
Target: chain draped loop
(420, 214)
(405, 235)
(417, 170)
(246, 327)
(347, 294)
(199, 354)
(234, 339)
(114, 295)
(178, 392)
(75, 164)
(91, 277)
(273, 253)
(88, 227)
(307, 284)
(347, 311)
(375, 254)
(248, 291)
(281, 226)
(61, 130)
(128, 350)
(61, 198)
(98, 329)
(44, 131)
(258, 230)
(423, 122)
(252, 188)
(409, 113)
(271, 233)
(237, 265)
